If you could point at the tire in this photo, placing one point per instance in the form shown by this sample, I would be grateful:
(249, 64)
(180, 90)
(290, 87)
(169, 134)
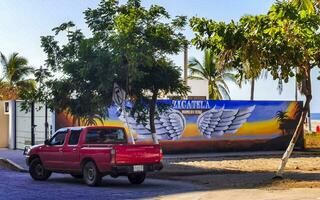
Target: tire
(37, 170)
(91, 174)
(137, 178)
(77, 176)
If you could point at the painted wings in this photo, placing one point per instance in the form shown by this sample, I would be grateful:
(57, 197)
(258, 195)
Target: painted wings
(169, 126)
(217, 122)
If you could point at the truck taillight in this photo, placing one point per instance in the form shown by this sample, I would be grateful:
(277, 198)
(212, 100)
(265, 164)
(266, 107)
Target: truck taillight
(113, 156)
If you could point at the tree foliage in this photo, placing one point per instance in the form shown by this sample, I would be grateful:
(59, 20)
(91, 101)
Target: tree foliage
(285, 38)
(130, 45)
(7, 92)
(15, 83)
(87, 74)
(140, 40)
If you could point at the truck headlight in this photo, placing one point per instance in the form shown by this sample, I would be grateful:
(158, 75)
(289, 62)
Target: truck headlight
(26, 150)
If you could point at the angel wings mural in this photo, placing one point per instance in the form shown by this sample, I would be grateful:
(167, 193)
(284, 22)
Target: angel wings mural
(169, 126)
(212, 123)
(217, 122)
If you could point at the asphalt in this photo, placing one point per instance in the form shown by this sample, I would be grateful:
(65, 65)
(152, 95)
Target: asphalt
(62, 186)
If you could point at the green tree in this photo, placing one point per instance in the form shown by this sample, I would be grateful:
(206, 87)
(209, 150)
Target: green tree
(280, 41)
(130, 45)
(140, 40)
(218, 89)
(84, 88)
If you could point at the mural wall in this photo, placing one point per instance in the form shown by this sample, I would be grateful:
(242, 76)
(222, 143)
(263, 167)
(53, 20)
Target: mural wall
(207, 125)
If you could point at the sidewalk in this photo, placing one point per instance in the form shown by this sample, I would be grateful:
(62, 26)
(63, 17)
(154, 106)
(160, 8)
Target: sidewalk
(16, 156)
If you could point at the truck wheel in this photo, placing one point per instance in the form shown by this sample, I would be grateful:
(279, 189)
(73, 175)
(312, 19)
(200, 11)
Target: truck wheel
(37, 170)
(77, 176)
(136, 178)
(91, 174)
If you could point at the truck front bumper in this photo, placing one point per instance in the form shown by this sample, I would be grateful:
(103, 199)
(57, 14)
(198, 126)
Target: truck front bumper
(126, 169)
(27, 160)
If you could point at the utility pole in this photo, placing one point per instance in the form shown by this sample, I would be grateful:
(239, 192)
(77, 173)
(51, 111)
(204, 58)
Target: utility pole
(185, 66)
(252, 89)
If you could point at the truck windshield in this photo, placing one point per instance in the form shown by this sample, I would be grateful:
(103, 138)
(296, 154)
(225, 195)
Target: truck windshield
(106, 136)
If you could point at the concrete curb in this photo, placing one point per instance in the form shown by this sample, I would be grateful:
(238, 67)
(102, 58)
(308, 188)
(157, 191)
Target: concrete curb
(8, 164)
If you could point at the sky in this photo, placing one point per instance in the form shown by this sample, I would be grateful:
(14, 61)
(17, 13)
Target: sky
(23, 22)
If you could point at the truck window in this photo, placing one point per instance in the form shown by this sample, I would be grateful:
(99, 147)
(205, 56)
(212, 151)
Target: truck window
(74, 137)
(58, 138)
(106, 136)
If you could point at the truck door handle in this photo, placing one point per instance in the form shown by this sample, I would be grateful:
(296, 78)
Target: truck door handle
(74, 149)
(60, 150)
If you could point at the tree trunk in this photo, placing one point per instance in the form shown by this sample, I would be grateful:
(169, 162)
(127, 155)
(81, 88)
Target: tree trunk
(299, 127)
(309, 121)
(152, 110)
(252, 89)
(211, 94)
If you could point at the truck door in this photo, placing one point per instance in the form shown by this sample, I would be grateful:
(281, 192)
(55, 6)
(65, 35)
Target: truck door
(71, 155)
(52, 153)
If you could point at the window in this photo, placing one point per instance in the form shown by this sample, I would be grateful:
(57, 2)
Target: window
(74, 137)
(106, 136)
(6, 107)
(58, 138)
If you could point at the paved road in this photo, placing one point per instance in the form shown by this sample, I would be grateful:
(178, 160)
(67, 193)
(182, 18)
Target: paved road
(16, 186)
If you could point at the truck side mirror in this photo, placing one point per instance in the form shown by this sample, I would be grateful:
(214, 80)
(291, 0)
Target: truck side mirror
(47, 142)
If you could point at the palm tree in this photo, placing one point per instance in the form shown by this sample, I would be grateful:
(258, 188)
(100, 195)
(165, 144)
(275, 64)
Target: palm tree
(15, 69)
(218, 89)
(259, 75)
(283, 118)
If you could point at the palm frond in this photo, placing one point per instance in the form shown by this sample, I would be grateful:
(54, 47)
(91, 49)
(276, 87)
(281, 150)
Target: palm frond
(223, 85)
(193, 62)
(216, 77)
(194, 77)
(199, 72)
(224, 92)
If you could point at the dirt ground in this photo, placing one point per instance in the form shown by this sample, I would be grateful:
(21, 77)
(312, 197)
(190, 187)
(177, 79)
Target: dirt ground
(248, 194)
(302, 171)
(247, 178)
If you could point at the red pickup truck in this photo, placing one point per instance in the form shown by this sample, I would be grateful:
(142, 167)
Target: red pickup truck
(91, 153)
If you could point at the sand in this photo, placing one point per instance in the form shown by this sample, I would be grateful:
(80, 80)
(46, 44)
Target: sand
(302, 171)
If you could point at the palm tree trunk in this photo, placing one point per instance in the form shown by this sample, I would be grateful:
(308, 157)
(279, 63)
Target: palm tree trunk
(299, 127)
(252, 89)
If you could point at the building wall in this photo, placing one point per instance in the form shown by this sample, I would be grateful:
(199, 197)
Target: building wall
(212, 125)
(198, 88)
(4, 127)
